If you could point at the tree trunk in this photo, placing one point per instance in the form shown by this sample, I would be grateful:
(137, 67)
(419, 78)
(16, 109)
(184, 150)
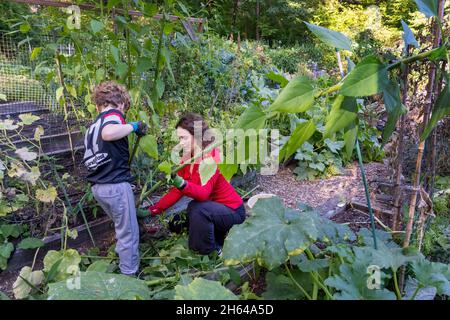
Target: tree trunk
(257, 20)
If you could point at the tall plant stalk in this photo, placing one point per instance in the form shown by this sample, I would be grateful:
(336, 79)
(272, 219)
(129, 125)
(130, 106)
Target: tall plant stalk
(398, 193)
(66, 113)
(361, 167)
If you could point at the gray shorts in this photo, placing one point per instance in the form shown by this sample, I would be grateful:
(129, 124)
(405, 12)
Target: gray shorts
(117, 200)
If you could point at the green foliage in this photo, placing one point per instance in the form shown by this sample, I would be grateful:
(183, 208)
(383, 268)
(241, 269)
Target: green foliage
(94, 285)
(368, 78)
(201, 289)
(297, 96)
(30, 243)
(440, 109)
(273, 233)
(332, 38)
(62, 263)
(341, 271)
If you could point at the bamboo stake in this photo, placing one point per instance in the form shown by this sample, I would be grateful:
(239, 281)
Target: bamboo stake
(361, 167)
(66, 114)
(416, 178)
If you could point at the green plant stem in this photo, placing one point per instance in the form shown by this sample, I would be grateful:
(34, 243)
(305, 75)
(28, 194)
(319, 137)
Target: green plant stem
(156, 282)
(416, 292)
(179, 167)
(394, 65)
(366, 189)
(296, 283)
(314, 275)
(397, 289)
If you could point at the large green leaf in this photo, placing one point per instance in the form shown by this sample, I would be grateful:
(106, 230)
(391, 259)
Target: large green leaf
(369, 77)
(351, 282)
(394, 107)
(350, 135)
(70, 260)
(150, 146)
(432, 274)
(5, 252)
(440, 110)
(30, 243)
(392, 258)
(96, 26)
(281, 287)
(302, 133)
(297, 96)
(202, 289)
(343, 112)
(428, 7)
(21, 287)
(252, 118)
(206, 169)
(277, 78)
(143, 64)
(330, 37)
(228, 170)
(273, 233)
(93, 285)
(408, 36)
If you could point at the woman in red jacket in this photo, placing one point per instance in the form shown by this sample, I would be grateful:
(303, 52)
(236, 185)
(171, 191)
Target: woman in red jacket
(215, 207)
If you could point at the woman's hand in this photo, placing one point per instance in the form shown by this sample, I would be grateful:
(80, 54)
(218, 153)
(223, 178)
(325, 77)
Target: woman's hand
(177, 181)
(154, 210)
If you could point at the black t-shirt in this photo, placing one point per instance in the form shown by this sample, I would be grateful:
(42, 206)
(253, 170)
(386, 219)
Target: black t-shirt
(107, 161)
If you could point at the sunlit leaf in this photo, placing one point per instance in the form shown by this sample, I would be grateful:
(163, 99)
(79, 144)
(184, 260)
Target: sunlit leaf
(28, 118)
(428, 7)
(149, 145)
(47, 195)
(369, 77)
(297, 96)
(207, 168)
(21, 288)
(343, 112)
(202, 289)
(330, 37)
(26, 155)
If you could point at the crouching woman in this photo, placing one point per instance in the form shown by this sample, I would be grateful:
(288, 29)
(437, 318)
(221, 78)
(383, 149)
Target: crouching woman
(215, 206)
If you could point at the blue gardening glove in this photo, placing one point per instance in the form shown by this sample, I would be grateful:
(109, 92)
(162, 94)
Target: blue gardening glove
(139, 127)
(177, 181)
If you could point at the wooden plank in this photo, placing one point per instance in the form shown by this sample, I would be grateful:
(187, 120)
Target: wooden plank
(363, 207)
(188, 27)
(24, 257)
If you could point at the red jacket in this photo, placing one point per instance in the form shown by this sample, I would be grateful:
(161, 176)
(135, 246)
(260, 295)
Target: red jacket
(217, 189)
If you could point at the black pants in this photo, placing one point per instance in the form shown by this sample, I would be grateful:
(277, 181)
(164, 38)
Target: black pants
(208, 224)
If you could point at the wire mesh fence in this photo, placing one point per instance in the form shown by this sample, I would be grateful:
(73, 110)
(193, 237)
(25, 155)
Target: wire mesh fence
(23, 90)
(18, 81)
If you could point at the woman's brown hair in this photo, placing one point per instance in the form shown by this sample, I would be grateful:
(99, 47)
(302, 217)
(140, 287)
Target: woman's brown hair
(188, 121)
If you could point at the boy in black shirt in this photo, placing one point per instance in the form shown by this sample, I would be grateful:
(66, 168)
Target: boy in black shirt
(106, 157)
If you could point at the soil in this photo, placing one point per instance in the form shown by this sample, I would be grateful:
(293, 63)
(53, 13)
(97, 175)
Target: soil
(315, 193)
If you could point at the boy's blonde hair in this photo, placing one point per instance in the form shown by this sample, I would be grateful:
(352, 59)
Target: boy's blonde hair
(110, 93)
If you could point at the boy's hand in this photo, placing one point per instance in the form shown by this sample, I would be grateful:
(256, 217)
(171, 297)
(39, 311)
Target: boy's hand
(177, 181)
(140, 128)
